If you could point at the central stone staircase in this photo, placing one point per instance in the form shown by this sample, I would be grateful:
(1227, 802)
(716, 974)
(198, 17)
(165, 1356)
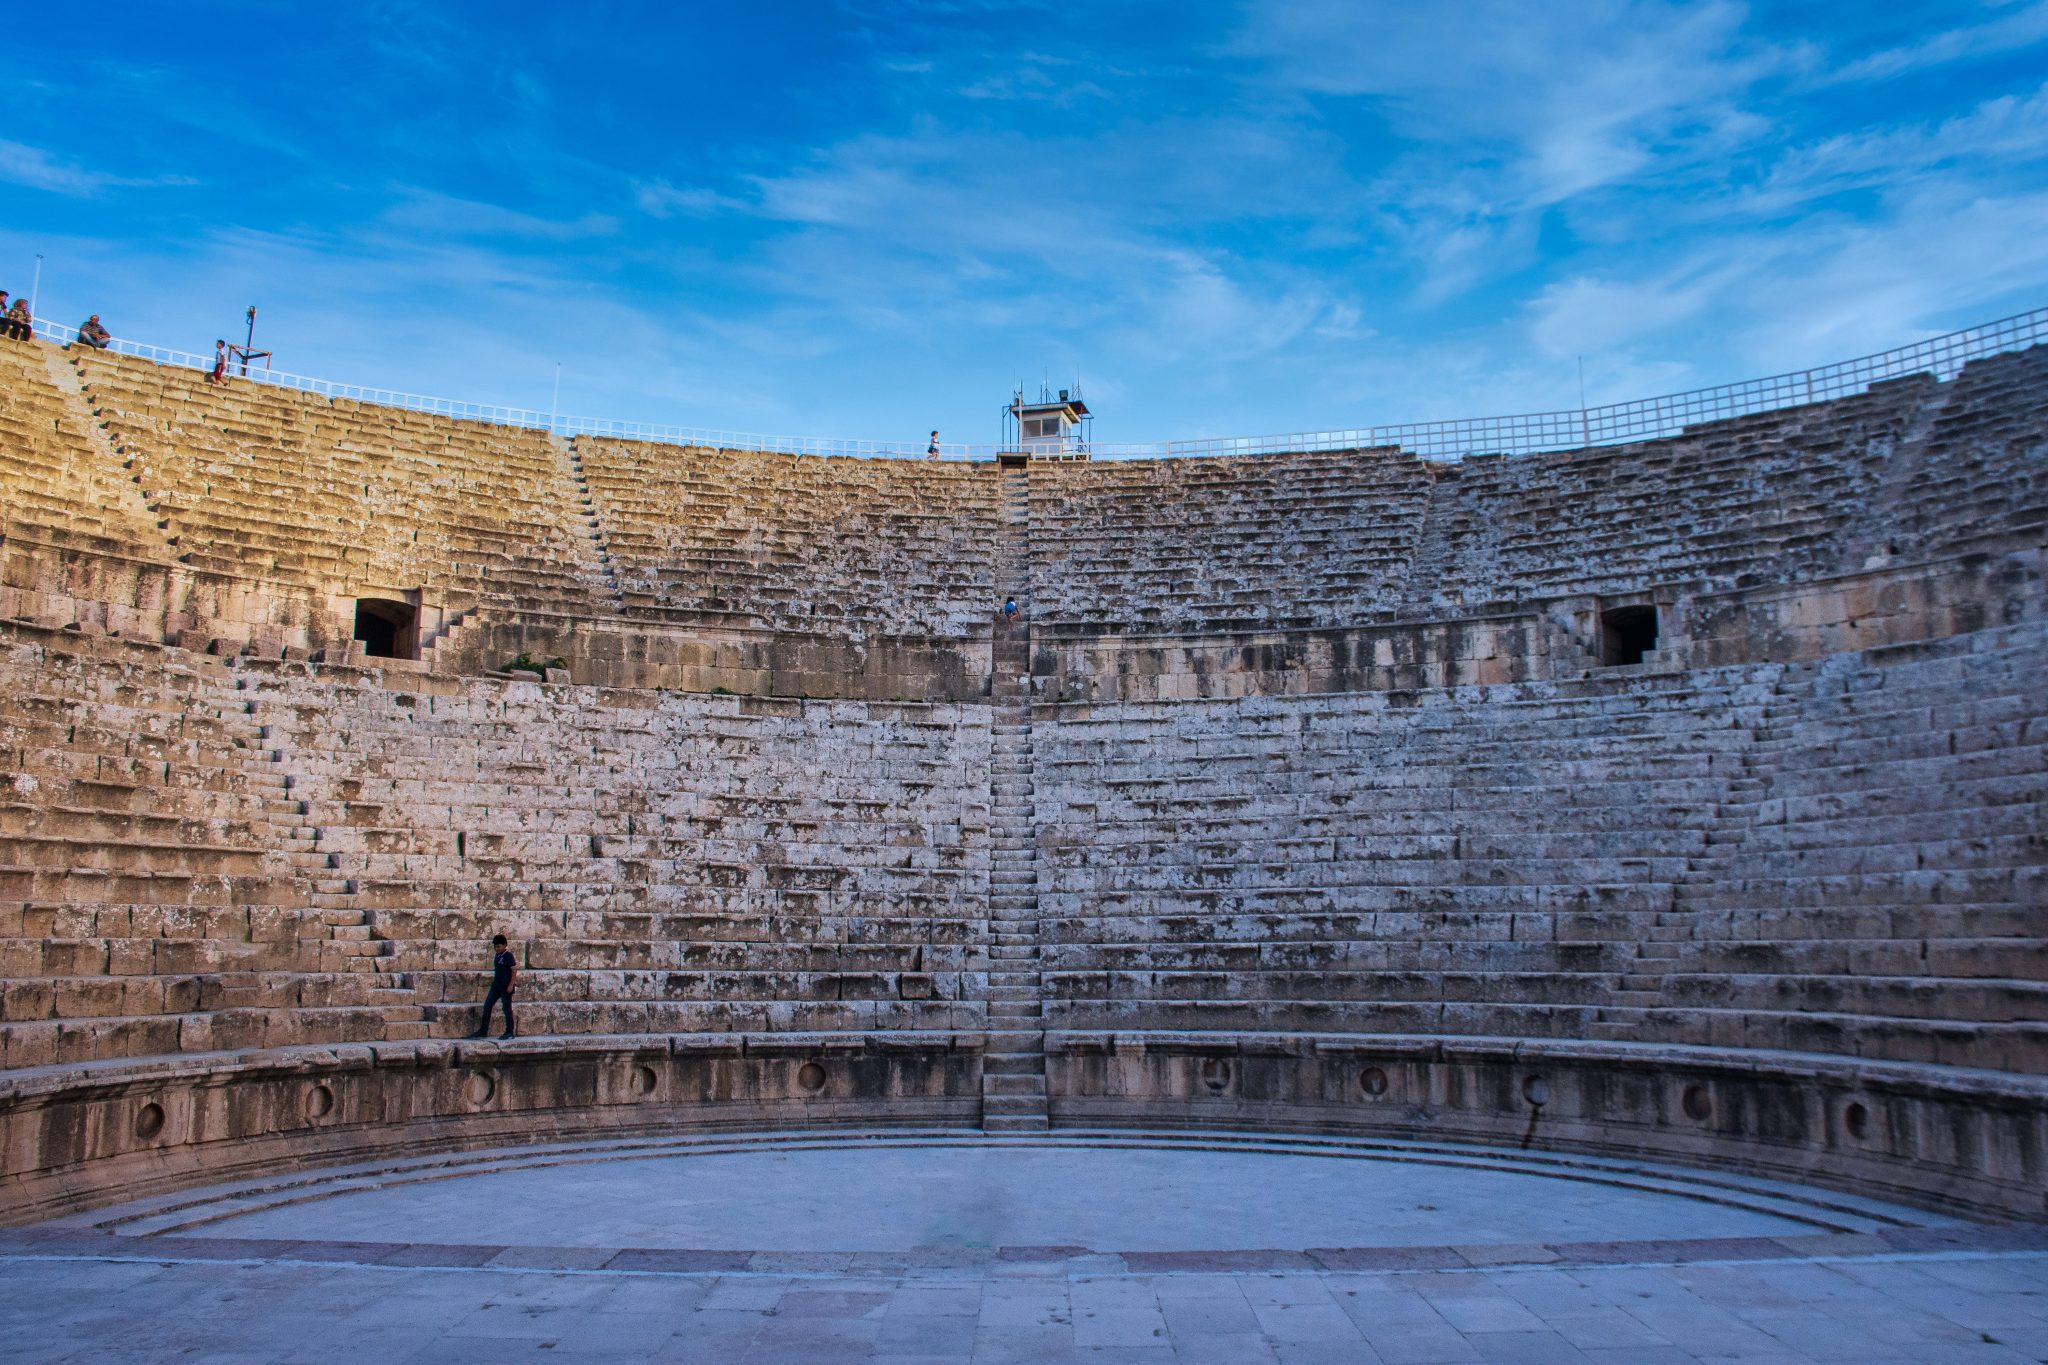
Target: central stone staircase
(1013, 1071)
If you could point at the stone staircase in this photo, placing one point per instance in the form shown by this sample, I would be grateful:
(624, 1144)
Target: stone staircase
(571, 460)
(138, 507)
(1013, 1072)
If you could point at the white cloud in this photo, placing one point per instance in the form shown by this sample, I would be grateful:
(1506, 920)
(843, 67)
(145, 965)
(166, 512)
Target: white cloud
(2018, 27)
(424, 211)
(660, 199)
(35, 168)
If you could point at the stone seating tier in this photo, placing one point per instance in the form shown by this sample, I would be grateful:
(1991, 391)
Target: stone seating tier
(57, 485)
(792, 542)
(1163, 545)
(1979, 479)
(1772, 497)
(1673, 858)
(264, 484)
(200, 854)
(277, 484)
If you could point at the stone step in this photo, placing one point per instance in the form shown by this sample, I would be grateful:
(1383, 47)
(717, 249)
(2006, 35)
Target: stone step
(1012, 1106)
(1008, 1086)
(1014, 1064)
(1014, 1123)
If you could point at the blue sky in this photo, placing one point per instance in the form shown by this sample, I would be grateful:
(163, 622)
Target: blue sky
(866, 219)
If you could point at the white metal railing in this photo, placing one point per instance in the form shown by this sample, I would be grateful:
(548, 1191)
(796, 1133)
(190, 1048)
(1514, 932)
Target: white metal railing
(1643, 419)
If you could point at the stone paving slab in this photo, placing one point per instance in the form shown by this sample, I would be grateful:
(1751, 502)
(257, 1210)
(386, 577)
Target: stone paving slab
(1889, 1307)
(1981, 1240)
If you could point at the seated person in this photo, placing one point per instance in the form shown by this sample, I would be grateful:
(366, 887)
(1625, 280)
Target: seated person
(1009, 609)
(20, 325)
(93, 334)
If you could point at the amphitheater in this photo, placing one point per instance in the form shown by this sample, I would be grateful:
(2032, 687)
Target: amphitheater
(1387, 902)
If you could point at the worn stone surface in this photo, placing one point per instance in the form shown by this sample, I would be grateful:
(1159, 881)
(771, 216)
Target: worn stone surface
(82, 1305)
(1283, 749)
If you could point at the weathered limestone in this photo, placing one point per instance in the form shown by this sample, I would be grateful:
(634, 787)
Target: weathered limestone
(1768, 498)
(1841, 859)
(347, 496)
(203, 853)
(1208, 546)
(799, 543)
(71, 1135)
(1298, 771)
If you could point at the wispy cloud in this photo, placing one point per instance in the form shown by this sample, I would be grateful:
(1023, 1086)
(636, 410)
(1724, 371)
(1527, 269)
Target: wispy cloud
(37, 169)
(2006, 28)
(1266, 215)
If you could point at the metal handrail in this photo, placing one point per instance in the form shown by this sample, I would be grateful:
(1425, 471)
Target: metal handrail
(1642, 419)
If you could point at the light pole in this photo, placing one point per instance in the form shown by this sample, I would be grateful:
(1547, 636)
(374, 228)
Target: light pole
(35, 285)
(249, 343)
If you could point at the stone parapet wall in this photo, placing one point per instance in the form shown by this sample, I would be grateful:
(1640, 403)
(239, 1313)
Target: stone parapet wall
(673, 656)
(89, 590)
(1971, 1142)
(1896, 603)
(74, 1137)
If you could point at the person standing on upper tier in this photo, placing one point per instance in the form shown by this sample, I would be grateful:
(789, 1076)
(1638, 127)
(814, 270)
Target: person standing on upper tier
(504, 973)
(931, 452)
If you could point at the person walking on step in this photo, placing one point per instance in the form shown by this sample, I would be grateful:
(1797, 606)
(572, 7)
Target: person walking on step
(220, 364)
(504, 971)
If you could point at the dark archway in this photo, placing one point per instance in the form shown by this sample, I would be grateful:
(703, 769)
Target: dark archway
(388, 630)
(1627, 634)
